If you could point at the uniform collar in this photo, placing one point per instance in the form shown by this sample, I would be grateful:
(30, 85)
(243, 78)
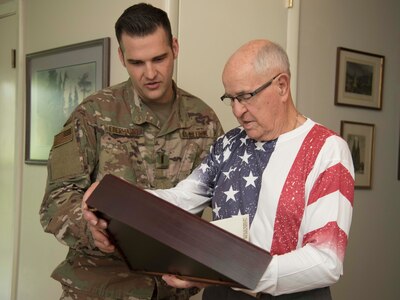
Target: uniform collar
(142, 114)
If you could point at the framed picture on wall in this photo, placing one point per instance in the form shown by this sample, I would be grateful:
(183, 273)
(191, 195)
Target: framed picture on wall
(398, 161)
(360, 138)
(359, 79)
(57, 80)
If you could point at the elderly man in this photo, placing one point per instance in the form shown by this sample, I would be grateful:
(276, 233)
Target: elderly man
(292, 176)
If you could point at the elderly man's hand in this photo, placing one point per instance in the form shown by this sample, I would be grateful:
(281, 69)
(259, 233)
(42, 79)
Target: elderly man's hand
(96, 225)
(176, 282)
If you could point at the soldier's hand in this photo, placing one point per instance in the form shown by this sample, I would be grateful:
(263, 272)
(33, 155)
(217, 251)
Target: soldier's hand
(96, 225)
(176, 282)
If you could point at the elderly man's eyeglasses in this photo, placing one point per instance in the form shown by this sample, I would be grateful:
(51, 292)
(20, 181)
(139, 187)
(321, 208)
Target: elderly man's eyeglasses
(244, 97)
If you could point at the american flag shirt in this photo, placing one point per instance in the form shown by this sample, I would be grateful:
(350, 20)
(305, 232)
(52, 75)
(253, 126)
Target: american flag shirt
(298, 191)
(234, 170)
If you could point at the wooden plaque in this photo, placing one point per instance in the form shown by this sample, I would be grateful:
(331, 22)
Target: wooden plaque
(158, 237)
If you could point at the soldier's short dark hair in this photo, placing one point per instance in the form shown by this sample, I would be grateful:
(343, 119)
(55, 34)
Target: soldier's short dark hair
(142, 19)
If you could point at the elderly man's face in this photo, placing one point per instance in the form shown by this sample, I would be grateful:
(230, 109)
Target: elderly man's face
(259, 115)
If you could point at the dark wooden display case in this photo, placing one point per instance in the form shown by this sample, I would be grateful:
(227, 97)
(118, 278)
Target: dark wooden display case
(157, 237)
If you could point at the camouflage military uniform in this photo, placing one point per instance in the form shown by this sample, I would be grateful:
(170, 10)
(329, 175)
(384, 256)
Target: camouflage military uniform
(112, 131)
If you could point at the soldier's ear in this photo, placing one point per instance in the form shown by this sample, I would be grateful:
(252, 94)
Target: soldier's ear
(121, 56)
(175, 47)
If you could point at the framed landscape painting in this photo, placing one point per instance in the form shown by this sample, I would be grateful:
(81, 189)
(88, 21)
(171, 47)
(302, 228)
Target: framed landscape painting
(57, 80)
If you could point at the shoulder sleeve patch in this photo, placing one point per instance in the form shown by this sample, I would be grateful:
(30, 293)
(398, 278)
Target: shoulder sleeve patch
(63, 137)
(66, 160)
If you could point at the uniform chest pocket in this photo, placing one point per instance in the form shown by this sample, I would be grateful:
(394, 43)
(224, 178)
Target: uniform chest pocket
(119, 155)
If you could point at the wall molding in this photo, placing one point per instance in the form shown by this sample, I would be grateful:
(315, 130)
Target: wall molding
(292, 44)
(8, 9)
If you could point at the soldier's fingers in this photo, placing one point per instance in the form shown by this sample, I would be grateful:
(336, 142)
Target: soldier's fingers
(101, 224)
(90, 217)
(104, 248)
(100, 237)
(98, 234)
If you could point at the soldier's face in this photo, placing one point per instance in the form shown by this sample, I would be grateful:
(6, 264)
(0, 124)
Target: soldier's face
(149, 61)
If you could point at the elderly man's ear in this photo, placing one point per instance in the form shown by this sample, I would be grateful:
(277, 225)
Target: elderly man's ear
(283, 84)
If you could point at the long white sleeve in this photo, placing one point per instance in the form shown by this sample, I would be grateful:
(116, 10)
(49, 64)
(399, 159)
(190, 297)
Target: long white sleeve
(190, 195)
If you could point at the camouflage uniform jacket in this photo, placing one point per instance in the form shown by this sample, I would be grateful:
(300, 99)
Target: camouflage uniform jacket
(113, 132)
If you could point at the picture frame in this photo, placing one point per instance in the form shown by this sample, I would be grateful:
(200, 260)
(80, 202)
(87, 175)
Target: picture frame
(57, 80)
(360, 138)
(398, 161)
(359, 79)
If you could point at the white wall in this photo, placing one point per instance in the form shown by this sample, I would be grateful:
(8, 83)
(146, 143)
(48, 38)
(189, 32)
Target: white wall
(207, 38)
(372, 262)
(8, 79)
(210, 31)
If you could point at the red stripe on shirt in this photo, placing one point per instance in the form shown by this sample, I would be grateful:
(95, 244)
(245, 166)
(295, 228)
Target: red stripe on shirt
(329, 182)
(291, 202)
(330, 236)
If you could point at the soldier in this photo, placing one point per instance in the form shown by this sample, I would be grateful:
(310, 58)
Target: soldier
(145, 130)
